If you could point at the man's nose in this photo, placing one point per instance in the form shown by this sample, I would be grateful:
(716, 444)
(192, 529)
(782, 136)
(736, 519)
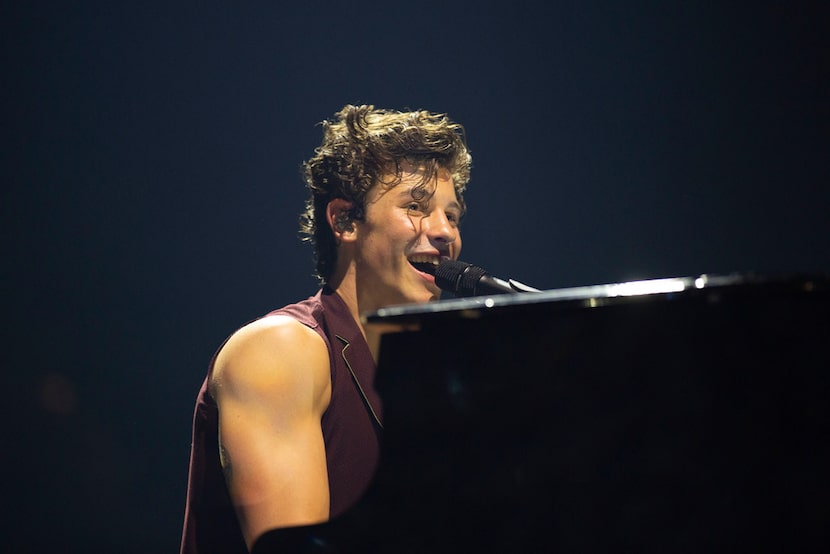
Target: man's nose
(440, 228)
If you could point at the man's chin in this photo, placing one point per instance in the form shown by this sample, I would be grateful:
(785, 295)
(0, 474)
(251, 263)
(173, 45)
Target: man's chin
(419, 293)
(433, 293)
(427, 297)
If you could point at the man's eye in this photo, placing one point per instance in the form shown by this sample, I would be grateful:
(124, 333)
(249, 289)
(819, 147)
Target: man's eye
(413, 206)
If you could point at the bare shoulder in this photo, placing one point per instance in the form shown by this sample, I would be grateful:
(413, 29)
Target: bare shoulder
(275, 355)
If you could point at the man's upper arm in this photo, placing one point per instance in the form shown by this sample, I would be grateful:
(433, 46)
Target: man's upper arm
(272, 383)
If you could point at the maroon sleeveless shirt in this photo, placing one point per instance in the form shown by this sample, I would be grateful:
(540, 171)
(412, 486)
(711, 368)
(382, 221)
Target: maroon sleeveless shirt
(350, 429)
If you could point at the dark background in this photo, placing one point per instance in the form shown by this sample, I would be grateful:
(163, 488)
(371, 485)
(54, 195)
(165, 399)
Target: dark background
(151, 186)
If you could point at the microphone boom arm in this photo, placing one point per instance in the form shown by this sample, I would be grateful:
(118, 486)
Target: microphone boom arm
(521, 287)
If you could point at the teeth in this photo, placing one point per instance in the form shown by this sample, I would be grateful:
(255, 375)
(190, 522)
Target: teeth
(425, 259)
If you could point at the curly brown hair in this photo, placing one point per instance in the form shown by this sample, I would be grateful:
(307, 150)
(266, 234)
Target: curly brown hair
(362, 145)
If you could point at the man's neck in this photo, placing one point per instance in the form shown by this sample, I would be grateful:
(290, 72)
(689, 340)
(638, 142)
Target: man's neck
(349, 297)
(346, 290)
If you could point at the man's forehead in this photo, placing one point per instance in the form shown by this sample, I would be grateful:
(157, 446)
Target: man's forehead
(403, 188)
(406, 184)
(411, 185)
(408, 176)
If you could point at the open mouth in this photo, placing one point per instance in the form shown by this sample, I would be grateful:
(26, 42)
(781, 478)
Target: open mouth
(425, 263)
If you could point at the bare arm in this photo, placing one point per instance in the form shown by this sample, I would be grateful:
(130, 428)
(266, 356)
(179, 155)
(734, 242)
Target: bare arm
(272, 383)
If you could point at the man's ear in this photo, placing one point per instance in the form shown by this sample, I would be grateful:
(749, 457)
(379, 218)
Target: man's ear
(339, 217)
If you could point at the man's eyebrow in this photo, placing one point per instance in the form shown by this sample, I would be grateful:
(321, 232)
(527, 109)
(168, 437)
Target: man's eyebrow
(409, 193)
(406, 193)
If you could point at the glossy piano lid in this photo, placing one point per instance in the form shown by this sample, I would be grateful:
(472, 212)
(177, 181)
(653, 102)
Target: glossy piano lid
(602, 295)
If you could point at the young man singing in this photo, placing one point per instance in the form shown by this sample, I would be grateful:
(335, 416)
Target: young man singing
(286, 424)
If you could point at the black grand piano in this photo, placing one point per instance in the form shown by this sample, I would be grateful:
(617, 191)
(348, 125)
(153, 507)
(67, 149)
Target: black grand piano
(670, 415)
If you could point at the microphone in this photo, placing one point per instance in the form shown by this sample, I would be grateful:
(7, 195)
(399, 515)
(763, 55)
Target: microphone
(463, 279)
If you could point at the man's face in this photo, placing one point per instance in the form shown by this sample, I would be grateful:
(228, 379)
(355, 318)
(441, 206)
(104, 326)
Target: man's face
(400, 233)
